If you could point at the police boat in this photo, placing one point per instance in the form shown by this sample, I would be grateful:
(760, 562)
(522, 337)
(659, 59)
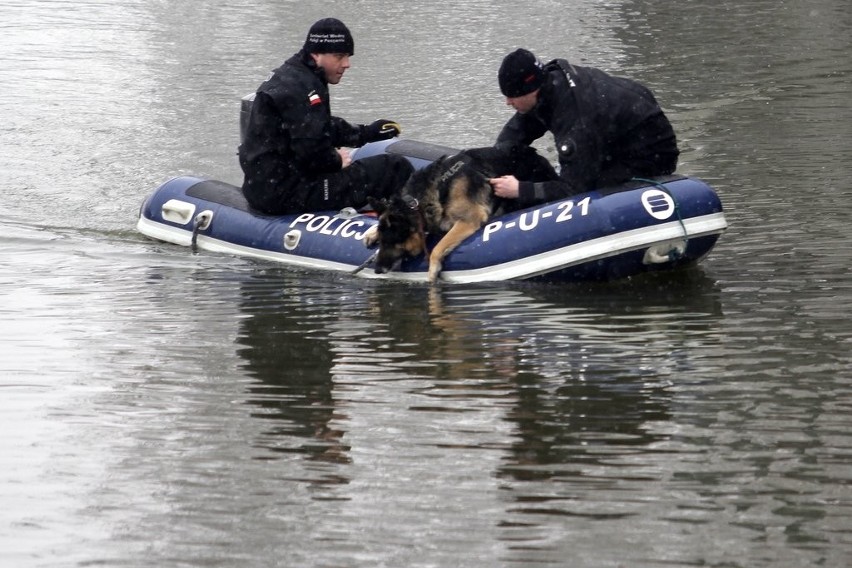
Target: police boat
(641, 226)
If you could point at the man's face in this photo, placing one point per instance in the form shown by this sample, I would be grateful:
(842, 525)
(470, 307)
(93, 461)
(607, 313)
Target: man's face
(333, 64)
(524, 103)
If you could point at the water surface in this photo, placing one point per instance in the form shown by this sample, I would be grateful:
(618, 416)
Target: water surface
(170, 409)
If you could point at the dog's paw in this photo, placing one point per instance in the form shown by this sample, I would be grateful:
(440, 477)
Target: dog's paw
(371, 237)
(434, 272)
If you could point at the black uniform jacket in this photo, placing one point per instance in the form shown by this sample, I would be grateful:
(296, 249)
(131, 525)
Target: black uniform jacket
(607, 129)
(292, 136)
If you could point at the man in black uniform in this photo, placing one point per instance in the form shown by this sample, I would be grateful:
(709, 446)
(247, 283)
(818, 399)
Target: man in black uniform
(293, 154)
(607, 129)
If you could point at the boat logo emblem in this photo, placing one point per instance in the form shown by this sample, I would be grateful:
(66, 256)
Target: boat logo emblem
(658, 204)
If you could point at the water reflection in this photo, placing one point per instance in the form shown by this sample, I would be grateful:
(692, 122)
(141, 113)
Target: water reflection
(283, 339)
(587, 367)
(570, 371)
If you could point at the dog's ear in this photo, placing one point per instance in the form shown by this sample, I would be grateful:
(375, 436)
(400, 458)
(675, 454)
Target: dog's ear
(378, 205)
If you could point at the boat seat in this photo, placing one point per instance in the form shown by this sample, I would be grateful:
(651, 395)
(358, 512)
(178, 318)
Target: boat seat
(220, 192)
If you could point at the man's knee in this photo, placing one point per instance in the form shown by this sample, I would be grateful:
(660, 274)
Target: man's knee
(387, 173)
(402, 170)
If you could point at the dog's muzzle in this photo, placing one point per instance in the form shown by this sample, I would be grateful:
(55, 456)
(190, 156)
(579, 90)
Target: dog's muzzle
(383, 268)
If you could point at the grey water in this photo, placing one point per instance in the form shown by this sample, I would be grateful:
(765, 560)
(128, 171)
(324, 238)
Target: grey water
(159, 408)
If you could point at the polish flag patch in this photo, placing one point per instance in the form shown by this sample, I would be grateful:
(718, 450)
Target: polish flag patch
(314, 99)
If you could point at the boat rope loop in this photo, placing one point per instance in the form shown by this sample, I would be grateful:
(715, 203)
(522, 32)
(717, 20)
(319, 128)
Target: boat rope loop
(199, 223)
(675, 253)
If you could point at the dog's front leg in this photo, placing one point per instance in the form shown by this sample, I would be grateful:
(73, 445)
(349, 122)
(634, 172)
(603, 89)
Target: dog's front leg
(457, 233)
(371, 236)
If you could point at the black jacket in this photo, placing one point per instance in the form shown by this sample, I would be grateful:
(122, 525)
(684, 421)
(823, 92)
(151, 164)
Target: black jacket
(607, 129)
(291, 136)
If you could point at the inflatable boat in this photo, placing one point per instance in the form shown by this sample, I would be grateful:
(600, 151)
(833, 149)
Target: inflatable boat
(641, 226)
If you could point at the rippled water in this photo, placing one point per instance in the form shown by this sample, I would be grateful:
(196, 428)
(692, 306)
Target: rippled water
(161, 408)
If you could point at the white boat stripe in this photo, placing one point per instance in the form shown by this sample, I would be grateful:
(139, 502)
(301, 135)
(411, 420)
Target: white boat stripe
(522, 268)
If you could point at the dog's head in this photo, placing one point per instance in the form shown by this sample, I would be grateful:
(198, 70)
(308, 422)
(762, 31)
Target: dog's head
(400, 231)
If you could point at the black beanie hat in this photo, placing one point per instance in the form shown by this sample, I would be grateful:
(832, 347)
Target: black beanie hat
(329, 35)
(520, 74)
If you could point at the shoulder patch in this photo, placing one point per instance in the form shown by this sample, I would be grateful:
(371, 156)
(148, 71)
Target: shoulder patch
(314, 98)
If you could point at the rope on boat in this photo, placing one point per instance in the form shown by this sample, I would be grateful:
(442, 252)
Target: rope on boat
(199, 223)
(675, 253)
(367, 262)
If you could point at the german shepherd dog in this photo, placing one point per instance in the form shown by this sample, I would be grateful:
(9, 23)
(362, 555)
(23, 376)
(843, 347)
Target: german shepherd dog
(451, 197)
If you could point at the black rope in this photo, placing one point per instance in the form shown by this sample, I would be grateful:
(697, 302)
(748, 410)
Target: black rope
(366, 263)
(202, 218)
(196, 226)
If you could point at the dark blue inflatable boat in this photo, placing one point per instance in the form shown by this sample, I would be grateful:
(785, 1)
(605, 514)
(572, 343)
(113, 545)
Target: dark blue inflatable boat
(638, 227)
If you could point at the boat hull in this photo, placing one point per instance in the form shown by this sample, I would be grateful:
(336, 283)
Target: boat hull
(601, 235)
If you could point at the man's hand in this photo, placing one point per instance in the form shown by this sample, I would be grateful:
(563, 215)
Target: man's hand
(345, 159)
(381, 130)
(505, 186)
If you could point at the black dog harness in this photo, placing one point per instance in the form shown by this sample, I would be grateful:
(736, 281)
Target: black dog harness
(452, 172)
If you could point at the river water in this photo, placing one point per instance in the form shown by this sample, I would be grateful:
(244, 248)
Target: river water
(159, 408)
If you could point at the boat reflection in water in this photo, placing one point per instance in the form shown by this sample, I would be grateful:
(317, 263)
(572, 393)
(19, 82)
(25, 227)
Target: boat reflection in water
(566, 375)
